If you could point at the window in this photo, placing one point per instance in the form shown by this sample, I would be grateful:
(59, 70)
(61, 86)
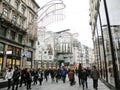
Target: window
(29, 54)
(16, 5)
(23, 10)
(22, 21)
(31, 18)
(1, 48)
(8, 1)
(30, 43)
(5, 12)
(12, 35)
(24, 1)
(20, 38)
(9, 50)
(14, 18)
(18, 52)
(2, 31)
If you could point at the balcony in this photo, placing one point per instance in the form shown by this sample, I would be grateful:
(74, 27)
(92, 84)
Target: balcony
(5, 20)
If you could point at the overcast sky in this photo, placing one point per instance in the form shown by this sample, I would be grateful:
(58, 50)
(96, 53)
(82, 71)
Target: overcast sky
(76, 19)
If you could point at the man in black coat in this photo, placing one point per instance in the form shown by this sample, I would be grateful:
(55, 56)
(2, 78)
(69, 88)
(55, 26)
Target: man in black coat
(15, 77)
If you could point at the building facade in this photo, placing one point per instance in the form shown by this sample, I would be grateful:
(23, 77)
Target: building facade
(106, 34)
(61, 49)
(18, 28)
(45, 50)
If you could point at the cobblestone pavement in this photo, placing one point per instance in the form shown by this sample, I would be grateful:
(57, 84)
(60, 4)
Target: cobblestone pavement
(63, 86)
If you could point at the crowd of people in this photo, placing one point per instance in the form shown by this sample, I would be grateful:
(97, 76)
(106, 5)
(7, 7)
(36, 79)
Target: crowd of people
(28, 76)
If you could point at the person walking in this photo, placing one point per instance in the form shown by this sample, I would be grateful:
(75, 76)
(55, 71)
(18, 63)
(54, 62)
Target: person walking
(40, 76)
(84, 76)
(46, 74)
(95, 76)
(22, 74)
(57, 74)
(79, 74)
(16, 75)
(35, 75)
(8, 76)
(28, 79)
(63, 74)
(71, 77)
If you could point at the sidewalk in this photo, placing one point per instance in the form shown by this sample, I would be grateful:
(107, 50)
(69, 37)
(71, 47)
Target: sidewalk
(101, 85)
(63, 86)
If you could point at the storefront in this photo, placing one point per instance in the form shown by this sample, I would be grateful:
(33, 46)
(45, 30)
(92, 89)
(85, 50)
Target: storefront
(1, 57)
(13, 57)
(29, 59)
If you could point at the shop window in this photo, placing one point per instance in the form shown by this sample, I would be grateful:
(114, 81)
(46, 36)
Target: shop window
(20, 38)
(18, 63)
(17, 52)
(9, 50)
(8, 63)
(1, 60)
(3, 31)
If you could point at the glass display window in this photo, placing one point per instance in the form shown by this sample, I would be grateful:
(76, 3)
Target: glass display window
(8, 63)
(1, 61)
(18, 63)
(9, 50)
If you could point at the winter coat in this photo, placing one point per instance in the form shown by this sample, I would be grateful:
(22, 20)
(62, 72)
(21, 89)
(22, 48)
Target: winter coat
(9, 75)
(84, 75)
(95, 74)
(71, 75)
(16, 75)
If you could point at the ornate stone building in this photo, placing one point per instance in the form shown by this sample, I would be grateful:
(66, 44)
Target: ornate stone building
(18, 28)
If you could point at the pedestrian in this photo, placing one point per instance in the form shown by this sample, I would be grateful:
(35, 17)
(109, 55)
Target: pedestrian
(63, 74)
(95, 76)
(46, 74)
(8, 76)
(84, 76)
(52, 74)
(28, 79)
(22, 74)
(40, 76)
(35, 75)
(79, 74)
(16, 75)
(71, 77)
(57, 74)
